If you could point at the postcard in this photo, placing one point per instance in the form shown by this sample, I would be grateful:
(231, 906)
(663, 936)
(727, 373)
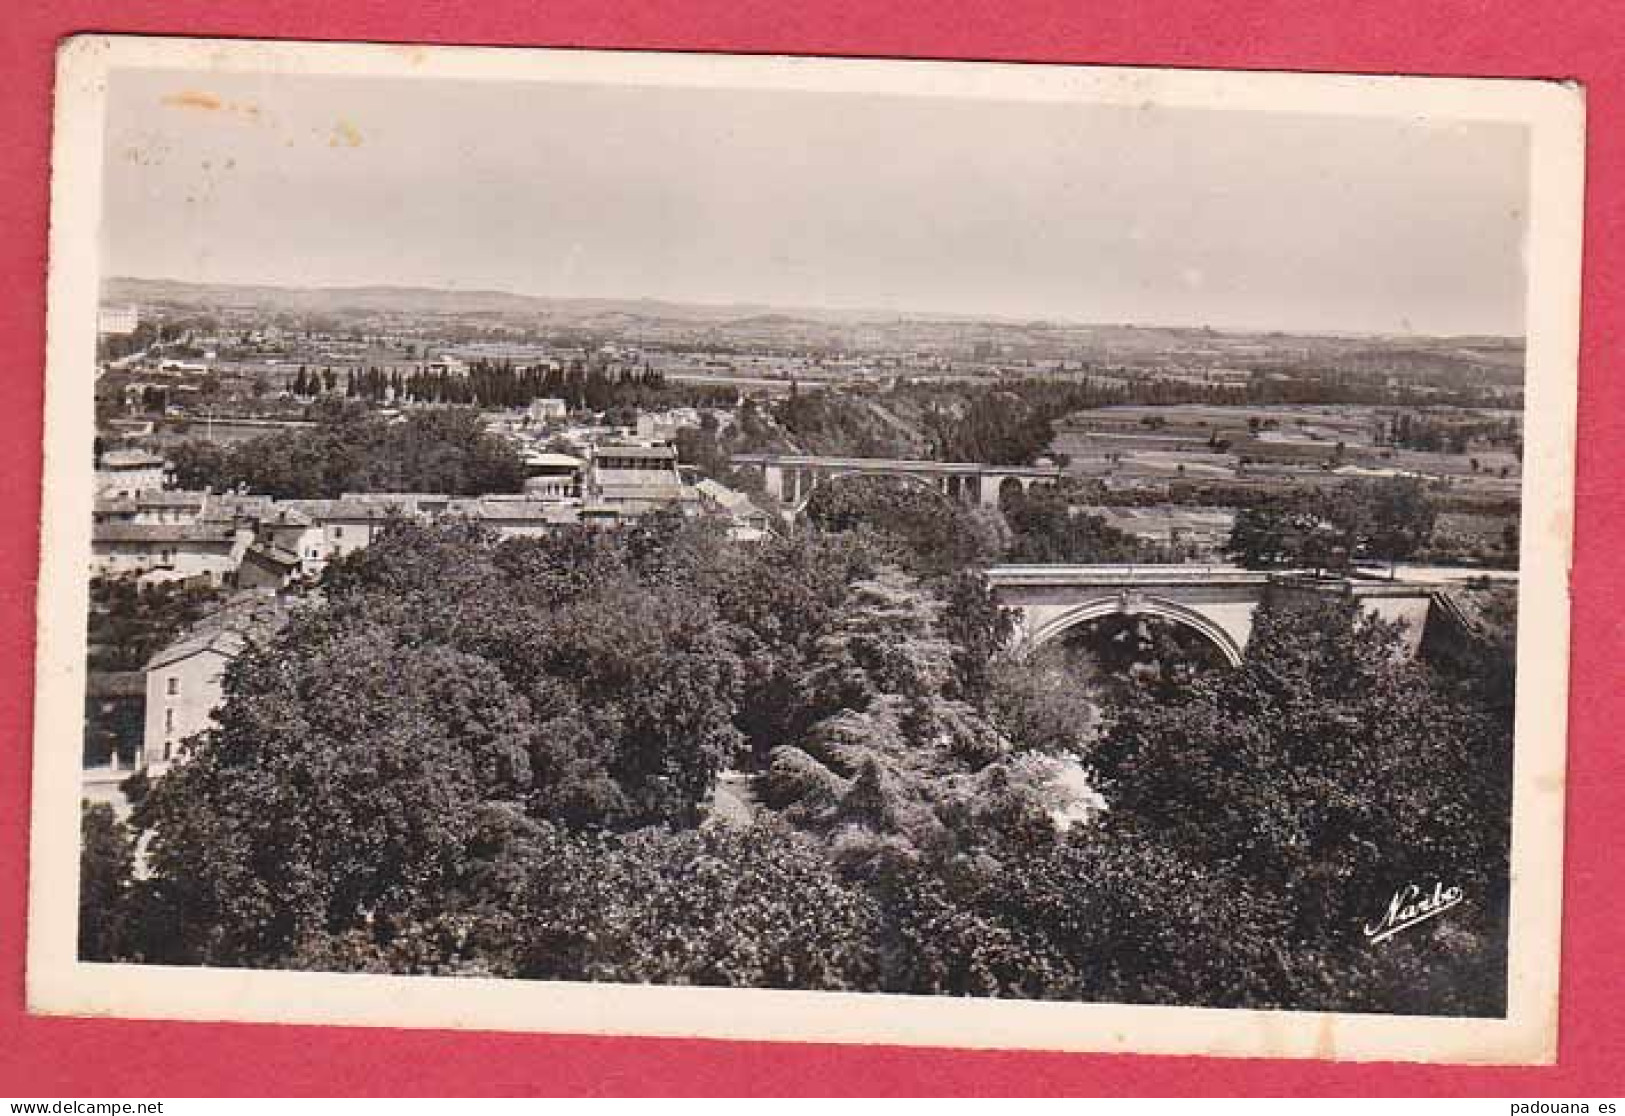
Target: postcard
(805, 549)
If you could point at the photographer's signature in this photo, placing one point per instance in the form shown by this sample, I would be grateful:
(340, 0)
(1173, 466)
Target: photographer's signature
(1410, 906)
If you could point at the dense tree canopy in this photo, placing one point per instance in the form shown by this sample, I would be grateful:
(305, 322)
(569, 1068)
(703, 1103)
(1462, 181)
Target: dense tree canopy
(1045, 528)
(1325, 773)
(929, 532)
(352, 450)
(1387, 520)
(511, 758)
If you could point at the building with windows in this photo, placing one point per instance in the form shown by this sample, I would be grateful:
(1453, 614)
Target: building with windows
(117, 321)
(129, 472)
(176, 551)
(183, 681)
(288, 530)
(629, 480)
(183, 690)
(553, 476)
(151, 506)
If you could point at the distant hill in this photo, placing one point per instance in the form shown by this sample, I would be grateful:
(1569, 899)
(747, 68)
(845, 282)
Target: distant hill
(1121, 342)
(451, 302)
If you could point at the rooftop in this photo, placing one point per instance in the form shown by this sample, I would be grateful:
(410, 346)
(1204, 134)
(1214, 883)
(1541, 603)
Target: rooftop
(550, 511)
(130, 459)
(171, 498)
(658, 453)
(248, 615)
(553, 461)
(221, 641)
(161, 532)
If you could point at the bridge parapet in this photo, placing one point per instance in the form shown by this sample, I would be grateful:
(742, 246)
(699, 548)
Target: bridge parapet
(1115, 575)
(791, 478)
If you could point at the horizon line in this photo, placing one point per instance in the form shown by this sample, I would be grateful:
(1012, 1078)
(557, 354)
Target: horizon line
(987, 317)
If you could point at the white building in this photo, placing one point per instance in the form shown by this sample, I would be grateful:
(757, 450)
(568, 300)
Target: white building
(553, 476)
(129, 472)
(632, 480)
(167, 551)
(117, 321)
(548, 410)
(183, 691)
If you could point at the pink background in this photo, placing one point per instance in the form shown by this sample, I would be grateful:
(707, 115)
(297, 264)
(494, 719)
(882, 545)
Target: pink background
(1582, 40)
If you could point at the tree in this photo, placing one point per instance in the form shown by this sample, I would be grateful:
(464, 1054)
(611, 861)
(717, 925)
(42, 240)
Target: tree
(928, 532)
(1324, 773)
(106, 860)
(351, 450)
(979, 628)
(1312, 530)
(1395, 517)
(634, 698)
(465, 756)
(761, 907)
(196, 464)
(1045, 530)
(333, 795)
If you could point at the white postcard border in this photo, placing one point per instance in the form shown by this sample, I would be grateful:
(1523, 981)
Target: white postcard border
(60, 984)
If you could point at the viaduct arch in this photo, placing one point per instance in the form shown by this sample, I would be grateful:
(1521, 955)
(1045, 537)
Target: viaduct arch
(914, 480)
(791, 478)
(1133, 604)
(1217, 602)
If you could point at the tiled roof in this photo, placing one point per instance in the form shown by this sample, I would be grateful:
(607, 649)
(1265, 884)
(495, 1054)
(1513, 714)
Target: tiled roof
(521, 510)
(130, 459)
(161, 532)
(224, 641)
(271, 554)
(286, 515)
(226, 632)
(171, 498)
(356, 507)
(367, 509)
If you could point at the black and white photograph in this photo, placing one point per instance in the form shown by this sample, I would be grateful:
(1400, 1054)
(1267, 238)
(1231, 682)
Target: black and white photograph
(806, 549)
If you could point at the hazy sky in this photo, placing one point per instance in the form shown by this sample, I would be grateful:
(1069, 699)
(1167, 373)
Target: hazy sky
(1085, 213)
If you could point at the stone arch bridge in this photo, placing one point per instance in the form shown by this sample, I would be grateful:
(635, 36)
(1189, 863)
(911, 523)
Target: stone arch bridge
(1217, 602)
(791, 478)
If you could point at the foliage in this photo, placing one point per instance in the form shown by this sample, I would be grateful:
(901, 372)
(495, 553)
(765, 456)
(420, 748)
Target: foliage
(332, 793)
(1326, 772)
(1388, 519)
(846, 424)
(779, 604)
(525, 788)
(760, 908)
(350, 449)
(1046, 701)
(106, 859)
(1044, 529)
(978, 627)
(130, 622)
(929, 532)
(999, 427)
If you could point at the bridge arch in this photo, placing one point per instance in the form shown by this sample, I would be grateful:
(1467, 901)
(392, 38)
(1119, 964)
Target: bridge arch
(1130, 603)
(817, 478)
